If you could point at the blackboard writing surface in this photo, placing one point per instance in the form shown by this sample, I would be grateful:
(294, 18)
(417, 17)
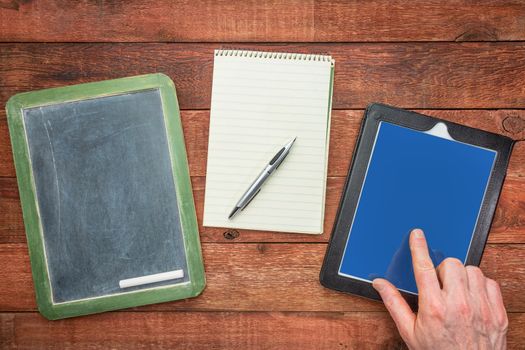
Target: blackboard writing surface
(105, 191)
(106, 195)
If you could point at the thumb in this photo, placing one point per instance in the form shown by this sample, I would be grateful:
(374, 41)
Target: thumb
(397, 307)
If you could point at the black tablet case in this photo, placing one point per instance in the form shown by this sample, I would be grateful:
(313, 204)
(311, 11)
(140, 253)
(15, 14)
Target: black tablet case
(374, 114)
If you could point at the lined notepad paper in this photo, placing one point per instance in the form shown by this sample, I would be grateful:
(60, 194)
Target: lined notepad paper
(260, 101)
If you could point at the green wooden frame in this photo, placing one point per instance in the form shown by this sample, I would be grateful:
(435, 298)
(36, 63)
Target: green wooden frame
(28, 196)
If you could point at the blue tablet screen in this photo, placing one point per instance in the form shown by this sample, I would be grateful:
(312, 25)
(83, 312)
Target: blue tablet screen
(415, 180)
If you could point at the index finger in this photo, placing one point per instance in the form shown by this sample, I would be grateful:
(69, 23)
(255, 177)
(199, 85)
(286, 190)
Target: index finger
(424, 271)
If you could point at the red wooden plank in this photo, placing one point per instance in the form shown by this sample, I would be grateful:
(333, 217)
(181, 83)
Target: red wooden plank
(344, 129)
(508, 225)
(215, 330)
(200, 330)
(265, 277)
(410, 75)
(268, 21)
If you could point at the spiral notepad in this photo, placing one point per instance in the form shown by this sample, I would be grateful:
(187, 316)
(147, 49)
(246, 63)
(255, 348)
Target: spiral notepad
(259, 101)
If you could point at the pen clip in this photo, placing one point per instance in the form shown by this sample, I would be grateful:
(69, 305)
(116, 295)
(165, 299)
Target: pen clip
(274, 159)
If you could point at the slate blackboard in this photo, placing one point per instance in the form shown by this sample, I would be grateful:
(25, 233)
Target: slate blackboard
(105, 175)
(105, 192)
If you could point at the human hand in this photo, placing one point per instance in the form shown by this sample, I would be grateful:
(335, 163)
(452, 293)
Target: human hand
(459, 308)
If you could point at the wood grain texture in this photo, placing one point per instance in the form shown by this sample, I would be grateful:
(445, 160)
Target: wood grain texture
(213, 330)
(197, 330)
(265, 277)
(408, 75)
(343, 133)
(269, 21)
(261, 294)
(344, 129)
(508, 225)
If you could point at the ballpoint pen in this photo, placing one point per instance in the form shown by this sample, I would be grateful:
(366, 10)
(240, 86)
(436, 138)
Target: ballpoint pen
(256, 185)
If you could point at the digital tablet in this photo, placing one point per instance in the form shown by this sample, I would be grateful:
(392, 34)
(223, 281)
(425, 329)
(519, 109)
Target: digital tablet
(413, 171)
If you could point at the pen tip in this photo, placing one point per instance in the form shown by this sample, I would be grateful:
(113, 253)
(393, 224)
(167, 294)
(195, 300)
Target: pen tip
(233, 212)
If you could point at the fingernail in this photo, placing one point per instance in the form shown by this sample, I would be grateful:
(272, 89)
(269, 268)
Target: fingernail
(378, 284)
(418, 233)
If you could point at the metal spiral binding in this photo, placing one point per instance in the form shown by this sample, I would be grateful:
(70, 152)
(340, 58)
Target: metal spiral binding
(274, 55)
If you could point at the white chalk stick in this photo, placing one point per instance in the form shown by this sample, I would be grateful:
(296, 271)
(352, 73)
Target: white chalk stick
(158, 277)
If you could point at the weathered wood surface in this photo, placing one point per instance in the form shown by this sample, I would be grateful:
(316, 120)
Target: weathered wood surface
(263, 289)
(344, 129)
(409, 75)
(265, 277)
(265, 21)
(214, 330)
(508, 225)
(205, 330)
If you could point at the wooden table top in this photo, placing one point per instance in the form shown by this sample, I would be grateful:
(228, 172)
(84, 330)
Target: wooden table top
(459, 60)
